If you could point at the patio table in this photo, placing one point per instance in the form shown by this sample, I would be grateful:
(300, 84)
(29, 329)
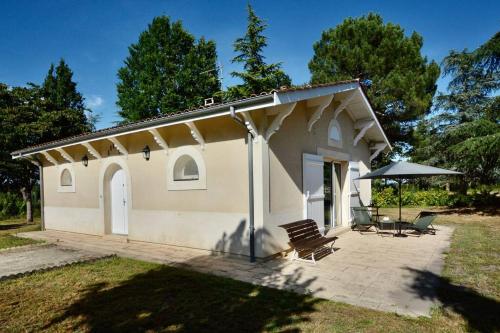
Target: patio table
(386, 224)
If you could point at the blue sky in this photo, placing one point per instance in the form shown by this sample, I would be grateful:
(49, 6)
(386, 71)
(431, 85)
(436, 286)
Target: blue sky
(93, 36)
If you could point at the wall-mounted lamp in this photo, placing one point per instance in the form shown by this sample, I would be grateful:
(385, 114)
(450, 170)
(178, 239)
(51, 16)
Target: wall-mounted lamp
(146, 153)
(85, 160)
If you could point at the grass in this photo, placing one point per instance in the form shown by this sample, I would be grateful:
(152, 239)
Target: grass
(8, 229)
(128, 295)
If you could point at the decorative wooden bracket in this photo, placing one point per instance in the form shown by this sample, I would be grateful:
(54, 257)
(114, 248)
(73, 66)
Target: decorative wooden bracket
(119, 146)
(92, 151)
(363, 126)
(65, 155)
(343, 104)
(50, 158)
(285, 111)
(159, 139)
(250, 124)
(196, 134)
(378, 147)
(318, 111)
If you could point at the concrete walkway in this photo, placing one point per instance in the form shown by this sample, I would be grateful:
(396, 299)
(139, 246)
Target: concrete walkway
(26, 259)
(366, 270)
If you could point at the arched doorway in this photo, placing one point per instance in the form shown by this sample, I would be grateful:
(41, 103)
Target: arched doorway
(119, 203)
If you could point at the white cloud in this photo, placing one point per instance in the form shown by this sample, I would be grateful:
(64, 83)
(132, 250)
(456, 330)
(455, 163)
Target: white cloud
(94, 101)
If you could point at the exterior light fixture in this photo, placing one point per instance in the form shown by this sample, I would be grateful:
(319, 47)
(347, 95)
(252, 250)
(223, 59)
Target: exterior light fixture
(85, 160)
(146, 153)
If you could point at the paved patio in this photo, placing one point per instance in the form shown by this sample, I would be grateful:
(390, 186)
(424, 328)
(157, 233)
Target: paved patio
(366, 270)
(26, 259)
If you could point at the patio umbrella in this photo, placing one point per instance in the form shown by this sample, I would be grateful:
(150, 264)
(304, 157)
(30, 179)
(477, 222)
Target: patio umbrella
(405, 170)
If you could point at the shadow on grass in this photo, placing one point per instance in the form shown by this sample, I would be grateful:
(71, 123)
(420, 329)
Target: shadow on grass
(176, 299)
(181, 300)
(480, 312)
(13, 226)
(485, 211)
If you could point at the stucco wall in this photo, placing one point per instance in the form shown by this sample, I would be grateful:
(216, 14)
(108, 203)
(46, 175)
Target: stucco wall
(285, 169)
(214, 218)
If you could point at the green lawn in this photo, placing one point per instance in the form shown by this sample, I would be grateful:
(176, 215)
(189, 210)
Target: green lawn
(12, 226)
(127, 295)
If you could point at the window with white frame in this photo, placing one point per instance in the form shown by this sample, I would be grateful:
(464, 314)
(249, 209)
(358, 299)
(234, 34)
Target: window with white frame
(66, 179)
(186, 169)
(334, 134)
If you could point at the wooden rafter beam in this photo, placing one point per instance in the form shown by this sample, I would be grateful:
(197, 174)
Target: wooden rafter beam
(363, 126)
(119, 146)
(92, 151)
(50, 158)
(159, 139)
(378, 147)
(284, 111)
(195, 133)
(65, 155)
(343, 104)
(318, 111)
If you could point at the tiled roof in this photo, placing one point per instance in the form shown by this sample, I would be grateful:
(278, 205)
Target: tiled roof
(165, 118)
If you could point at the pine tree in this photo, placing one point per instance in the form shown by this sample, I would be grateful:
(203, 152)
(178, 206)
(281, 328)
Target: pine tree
(62, 105)
(60, 89)
(257, 76)
(167, 70)
(399, 81)
(464, 131)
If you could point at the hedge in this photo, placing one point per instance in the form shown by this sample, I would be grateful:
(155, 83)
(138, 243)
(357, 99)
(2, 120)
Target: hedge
(388, 197)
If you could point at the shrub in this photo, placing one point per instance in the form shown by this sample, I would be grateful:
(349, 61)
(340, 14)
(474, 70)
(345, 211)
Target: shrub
(11, 205)
(388, 197)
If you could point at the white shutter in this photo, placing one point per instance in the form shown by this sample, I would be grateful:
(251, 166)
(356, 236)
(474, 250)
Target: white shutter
(354, 200)
(312, 189)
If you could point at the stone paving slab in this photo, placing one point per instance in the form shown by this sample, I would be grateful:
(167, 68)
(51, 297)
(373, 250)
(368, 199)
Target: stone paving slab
(22, 260)
(366, 269)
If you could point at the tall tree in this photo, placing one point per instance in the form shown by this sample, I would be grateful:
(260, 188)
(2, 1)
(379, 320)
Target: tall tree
(18, 116)
(257, 75)
(399, 81)
(32, 115)
(167, 70)
(464, 131)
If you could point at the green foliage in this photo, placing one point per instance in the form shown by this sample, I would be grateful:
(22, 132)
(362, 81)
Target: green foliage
(35, 114)
(464, 132)
(388, 197)
(167, 70)
(257, 76)
(401, 82)
(11, 205)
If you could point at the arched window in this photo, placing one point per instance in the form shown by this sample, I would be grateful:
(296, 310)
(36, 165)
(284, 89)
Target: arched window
(334, 134)
(66, 179)
(185, 168)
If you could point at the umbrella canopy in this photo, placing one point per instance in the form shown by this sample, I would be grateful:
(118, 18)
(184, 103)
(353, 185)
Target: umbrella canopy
(407, 170)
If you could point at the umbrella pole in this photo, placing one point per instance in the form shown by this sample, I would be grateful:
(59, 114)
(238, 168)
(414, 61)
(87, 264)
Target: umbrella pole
(399, 192)
(400, 234)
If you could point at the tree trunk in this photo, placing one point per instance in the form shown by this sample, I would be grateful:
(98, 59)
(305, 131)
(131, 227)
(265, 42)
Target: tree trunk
(26, 193)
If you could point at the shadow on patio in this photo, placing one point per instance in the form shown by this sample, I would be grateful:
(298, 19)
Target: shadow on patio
(480, 312)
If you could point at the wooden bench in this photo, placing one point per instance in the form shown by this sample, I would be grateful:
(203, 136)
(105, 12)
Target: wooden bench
(305, 239)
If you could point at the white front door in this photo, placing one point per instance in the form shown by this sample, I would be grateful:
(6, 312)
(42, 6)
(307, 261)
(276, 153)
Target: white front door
(312, 187)
(119, 218)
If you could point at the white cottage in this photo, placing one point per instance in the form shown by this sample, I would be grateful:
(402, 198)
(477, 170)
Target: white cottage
(201, 178)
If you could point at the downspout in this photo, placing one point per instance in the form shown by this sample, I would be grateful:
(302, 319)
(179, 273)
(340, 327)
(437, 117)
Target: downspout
(42, 199)
(250, 183)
